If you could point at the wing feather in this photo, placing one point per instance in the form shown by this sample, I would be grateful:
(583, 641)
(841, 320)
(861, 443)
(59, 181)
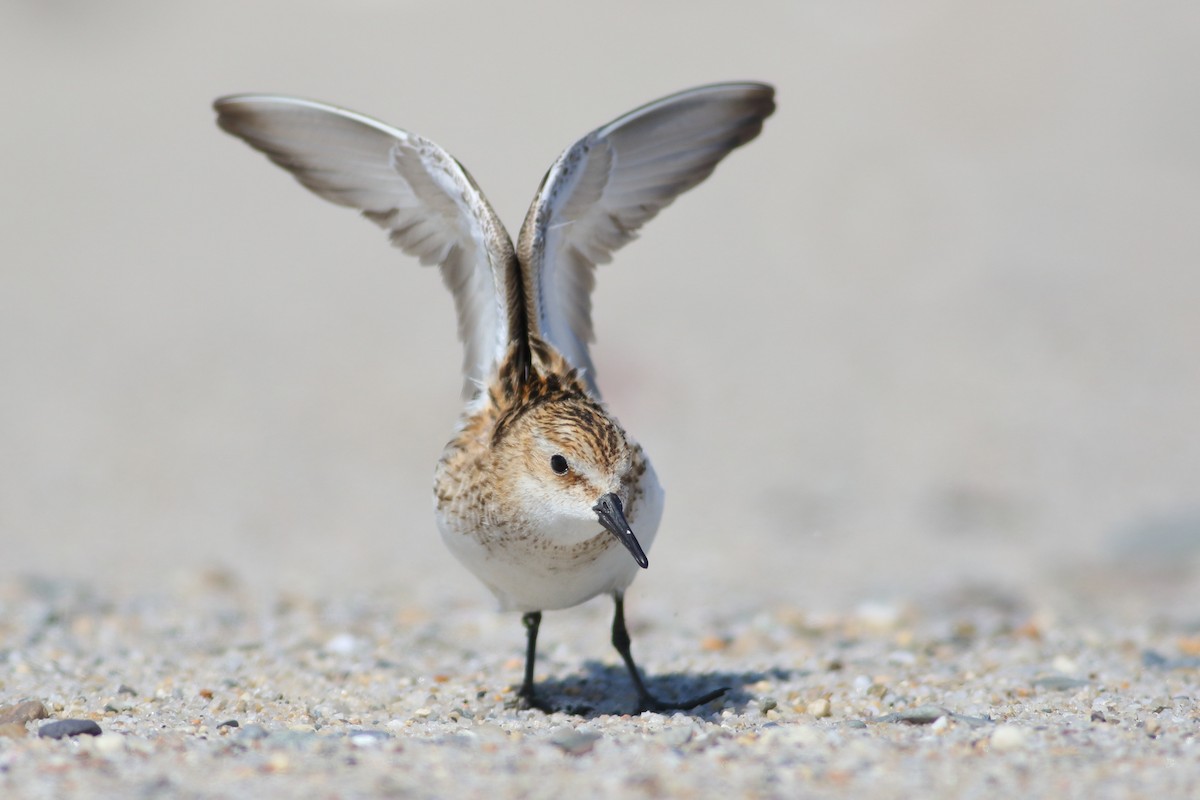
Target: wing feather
(427, 202)
(603, 188)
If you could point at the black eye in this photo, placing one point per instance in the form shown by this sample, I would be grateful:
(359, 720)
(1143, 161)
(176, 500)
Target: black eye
(558, 464)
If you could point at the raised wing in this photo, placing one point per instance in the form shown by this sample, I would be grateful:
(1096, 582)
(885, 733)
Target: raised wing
(604, 187)
(427, 202)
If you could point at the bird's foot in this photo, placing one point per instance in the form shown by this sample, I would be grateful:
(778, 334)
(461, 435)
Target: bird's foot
(528, 701)
(649, 702)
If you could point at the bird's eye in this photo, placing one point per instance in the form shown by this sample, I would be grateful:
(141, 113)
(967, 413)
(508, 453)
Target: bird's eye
(558, 464)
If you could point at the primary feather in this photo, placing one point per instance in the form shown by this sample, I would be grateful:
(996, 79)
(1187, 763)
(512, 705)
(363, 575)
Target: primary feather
(603, 188)
(593, 200)
(427, 202)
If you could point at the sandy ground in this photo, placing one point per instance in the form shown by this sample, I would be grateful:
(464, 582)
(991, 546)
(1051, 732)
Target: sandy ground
(918, 369)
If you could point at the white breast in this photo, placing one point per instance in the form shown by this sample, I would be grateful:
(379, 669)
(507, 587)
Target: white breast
(529, 570)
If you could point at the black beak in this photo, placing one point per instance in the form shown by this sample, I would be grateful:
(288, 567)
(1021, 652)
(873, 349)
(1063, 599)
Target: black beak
(612, 517)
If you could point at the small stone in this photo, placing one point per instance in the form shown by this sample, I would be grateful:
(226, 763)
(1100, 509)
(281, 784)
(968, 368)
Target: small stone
(574, 742)
(881, 616)
(1008, 737)
(1153, 727)
(368, 738)
(921, 715)
(343, 644)
(23, 712)
(229, 723)
(766, 704)
(677, 737)
(820, 708)
(294, 739)
(254, 732)
(69, 727)
(1098, 716)
(13, 730)
(110, 745)
(1151, 658)
(1065, 666)
(123, 689)
(969, 721)
(1059, 683)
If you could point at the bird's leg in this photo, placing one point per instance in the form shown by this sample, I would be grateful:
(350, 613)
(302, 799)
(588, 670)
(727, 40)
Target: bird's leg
(525, 696)
(647, 701)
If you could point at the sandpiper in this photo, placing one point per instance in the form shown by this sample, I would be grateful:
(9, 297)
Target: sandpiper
(541, 493)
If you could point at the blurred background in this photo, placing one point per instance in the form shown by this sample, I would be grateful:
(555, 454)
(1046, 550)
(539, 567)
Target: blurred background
(938, 327)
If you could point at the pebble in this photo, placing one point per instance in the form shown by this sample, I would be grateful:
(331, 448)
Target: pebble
(23, 712)
(295, 739)
(1008, 737)
(13, 730)
(1059, 683)
(69, 727)
(1065, 666)
(110, 745)
(921, 715)
(1151, 658)
(677, 737)
(882, 616)
(969, 721)
(229, 723)
(254, 732)
(343, 644)
(368, 738)
(820, 708)
(574, 742)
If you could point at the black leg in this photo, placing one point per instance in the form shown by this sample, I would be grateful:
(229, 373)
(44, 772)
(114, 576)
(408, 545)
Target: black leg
(525, 697)
(647, 701)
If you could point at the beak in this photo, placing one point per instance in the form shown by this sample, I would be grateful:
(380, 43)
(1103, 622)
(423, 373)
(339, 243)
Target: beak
(612, 517)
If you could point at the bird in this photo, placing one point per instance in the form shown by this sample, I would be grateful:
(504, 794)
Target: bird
(541, 493)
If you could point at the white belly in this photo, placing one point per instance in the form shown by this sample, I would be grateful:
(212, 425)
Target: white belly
(531, 571)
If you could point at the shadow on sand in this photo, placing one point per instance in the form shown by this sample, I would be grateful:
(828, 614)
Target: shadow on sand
(605, 689)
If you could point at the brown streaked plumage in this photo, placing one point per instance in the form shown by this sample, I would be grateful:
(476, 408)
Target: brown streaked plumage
(495, 480)
(541, 490)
